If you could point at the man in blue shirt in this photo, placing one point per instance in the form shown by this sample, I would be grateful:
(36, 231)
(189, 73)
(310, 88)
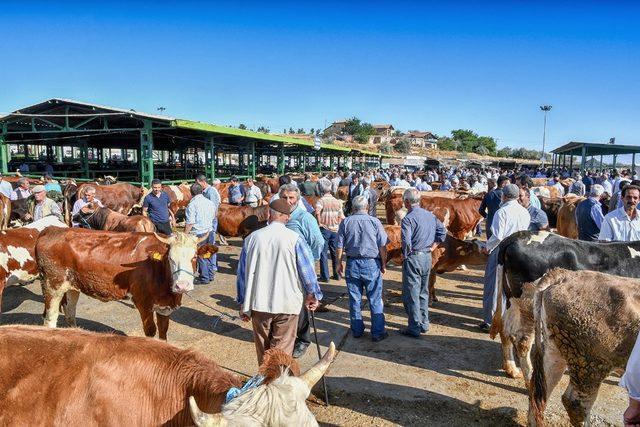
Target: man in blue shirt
(156, 206)
(236, 192)
(363, 239)
(539, 219)
(421, 232)
(199, 221)
(587, 181)
(491, 203)
(589, 215)
(51, 185)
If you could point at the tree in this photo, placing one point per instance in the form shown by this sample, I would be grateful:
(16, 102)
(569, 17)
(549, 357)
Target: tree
(447, 144)
(300, 131)
(311, 131)
(403, 146)
(318, 132)
(397, 133)
(242, 126)
(386, 148)
(352, 126)
(291, 130)
(263, 129)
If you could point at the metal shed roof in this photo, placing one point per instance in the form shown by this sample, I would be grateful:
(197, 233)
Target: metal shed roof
(574, 148)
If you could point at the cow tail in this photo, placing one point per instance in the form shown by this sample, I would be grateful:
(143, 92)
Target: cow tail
(538, 385)
(496, 322)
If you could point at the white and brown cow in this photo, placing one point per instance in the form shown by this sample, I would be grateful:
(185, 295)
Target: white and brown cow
(17, 257)
(587, 323)
(75, 377)
(152, 270)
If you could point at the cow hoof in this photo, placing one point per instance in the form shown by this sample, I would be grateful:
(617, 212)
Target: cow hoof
(512, 372)
(462, 267)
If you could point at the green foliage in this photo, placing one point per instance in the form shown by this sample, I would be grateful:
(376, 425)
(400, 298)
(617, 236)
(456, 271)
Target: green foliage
(311, 131)
(397, 133)
(403, 146)
(468, 141)
(242, 126)
(291, 130)
(447, 144)
(263, 129)
(300, 131)
(386, 148)
(361, 131)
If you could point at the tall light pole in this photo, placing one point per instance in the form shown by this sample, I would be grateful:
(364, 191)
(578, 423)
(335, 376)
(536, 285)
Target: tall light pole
(546, 109)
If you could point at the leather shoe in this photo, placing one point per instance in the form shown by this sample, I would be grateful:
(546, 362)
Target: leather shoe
(484, 327)
(407, 333)
(380, 337)
(300, 349)
(200, 281)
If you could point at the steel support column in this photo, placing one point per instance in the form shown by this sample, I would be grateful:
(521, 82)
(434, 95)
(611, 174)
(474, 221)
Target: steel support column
(145, 161)
(583, 159)
(615, 160)
(209, 159)
(281, 167)
(601, 166)
(4, 154)
(252, 166)
(633, 164)
(84, 158)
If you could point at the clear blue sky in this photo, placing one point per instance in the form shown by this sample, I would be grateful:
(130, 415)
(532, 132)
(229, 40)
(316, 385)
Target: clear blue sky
(438, 66)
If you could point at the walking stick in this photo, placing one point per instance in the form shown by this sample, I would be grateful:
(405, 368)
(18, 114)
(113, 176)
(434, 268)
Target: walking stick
(324, 381)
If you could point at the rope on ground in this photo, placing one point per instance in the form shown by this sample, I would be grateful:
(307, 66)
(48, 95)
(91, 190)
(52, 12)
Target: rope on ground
(221, 313)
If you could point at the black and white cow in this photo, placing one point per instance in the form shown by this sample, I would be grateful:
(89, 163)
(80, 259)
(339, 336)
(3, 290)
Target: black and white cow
(524, 258)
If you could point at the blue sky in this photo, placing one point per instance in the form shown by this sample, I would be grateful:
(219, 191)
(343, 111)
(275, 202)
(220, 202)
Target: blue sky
(436, 66)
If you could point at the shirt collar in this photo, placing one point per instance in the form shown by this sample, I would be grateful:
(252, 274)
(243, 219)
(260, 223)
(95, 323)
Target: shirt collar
(622, 214)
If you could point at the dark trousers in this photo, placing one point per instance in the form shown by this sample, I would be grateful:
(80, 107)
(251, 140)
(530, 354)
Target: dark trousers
(206, 266)
(330, 240)
(415, 291)
(304, 334)
(163, 227)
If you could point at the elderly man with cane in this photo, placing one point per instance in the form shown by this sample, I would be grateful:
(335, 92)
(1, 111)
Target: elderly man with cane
(363, 239)
(276, 279)
(421, 232)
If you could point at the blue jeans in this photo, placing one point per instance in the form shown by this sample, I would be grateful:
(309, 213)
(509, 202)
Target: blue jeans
(214, 231)
(415, 291)
(330, 239)
(363, 276)
(206, 266)
(489, 300)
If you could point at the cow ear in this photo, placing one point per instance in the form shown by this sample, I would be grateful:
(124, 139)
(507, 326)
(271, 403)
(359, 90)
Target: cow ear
(206, 251)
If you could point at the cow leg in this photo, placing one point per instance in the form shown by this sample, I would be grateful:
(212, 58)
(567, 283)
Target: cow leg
(579, 399)
(52, 309)
(432, 288)
(70, 307)
(520, 331)
(223, 241)
(163, 326)
(148, 324)
(508, 360)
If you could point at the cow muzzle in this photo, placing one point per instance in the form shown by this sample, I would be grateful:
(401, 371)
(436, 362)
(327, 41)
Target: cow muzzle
(182, 286)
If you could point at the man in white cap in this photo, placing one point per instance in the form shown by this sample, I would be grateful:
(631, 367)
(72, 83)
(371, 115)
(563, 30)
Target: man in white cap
(509, 219)
(42, 205)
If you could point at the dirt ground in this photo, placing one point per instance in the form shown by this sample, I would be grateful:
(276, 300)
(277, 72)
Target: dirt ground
(451, 376)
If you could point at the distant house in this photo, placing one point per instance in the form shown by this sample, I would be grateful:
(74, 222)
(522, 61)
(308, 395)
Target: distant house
(422, 139)
(336, 128)
(384, 130)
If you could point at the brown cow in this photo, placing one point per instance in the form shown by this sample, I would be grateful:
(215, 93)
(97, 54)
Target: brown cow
(464, 213)
(179, 196)
(120, 197)
(75, 377)
(5, 212)
(240, 221)
(154, 271)
(273, 183)
(393, 201)
(551, 206)
(17, 257)
(447, 257)
(567, 225)
(103, 218)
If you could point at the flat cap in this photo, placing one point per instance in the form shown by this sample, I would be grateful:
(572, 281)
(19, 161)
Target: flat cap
(511, 191)
(281, 205)
(38, 189)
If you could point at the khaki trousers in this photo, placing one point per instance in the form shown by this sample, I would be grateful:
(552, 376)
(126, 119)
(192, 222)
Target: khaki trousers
(273, 331)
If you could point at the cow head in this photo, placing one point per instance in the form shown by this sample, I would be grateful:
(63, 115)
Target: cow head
(183, 250)
(278, 402)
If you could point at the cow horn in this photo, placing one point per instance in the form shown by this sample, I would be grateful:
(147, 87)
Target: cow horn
(202, 419)
(166, 240)
(313, 375)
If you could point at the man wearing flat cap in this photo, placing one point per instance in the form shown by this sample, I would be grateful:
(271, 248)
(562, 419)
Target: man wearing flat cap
(275, 277)
(509, 219)
(42, 206)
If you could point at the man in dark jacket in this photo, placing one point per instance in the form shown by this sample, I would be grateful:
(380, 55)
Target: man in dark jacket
(491, 202)
(589, 215)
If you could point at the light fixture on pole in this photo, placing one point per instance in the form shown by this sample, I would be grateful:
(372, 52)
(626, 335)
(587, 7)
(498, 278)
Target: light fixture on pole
(546, 109)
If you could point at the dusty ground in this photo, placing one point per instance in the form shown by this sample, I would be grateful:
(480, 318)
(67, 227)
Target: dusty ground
(451, 376)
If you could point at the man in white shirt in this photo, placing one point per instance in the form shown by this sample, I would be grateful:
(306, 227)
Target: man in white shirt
(631, 381)
(89, 197)
(253, 195)
(22, 192)
(623, 224)
(509, 219)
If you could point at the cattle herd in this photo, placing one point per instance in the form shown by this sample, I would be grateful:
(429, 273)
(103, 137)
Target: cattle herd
(570, 306)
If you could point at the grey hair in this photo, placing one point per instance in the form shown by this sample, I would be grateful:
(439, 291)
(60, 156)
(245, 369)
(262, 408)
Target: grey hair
(89, 189)
(216, 181)
(360, 203)
(289, 188)
(596, 190)
(324, 186)
(411, 195)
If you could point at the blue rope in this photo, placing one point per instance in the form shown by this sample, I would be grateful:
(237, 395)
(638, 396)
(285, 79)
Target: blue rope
(255, 381)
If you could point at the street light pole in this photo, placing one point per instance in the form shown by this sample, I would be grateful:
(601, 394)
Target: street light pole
(546, 109)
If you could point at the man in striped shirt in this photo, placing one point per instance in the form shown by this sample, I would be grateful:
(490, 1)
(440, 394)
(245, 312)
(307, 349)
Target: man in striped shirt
(329, 214)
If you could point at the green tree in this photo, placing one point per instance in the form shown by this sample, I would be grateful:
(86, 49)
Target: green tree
(397, 133)
(291, 130)
(352, 126)
(447, 144)
(242, 126)
(300, 131)
(311, 131)
(263, 129)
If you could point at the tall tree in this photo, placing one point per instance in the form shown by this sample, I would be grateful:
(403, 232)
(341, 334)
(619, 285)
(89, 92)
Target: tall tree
(242, 126)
